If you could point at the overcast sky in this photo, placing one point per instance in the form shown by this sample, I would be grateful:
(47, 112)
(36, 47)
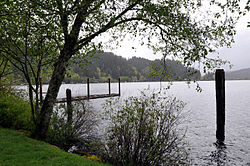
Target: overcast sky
(238, 55)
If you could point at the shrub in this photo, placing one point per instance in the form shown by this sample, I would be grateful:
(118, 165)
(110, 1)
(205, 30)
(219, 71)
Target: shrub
(14, 110)
(145, 130)
(81, 132)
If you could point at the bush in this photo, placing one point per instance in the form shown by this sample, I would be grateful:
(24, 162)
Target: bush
(145, 130)
(81, 132)
(14, 110)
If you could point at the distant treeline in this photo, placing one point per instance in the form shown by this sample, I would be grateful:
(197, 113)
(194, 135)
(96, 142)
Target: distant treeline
(102, 66)
(242, 74)
(108, 65)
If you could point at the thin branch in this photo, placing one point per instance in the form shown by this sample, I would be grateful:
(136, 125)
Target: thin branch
(43, 6)
(64, 18)
(97, 6)
(10, 40)
(109, 25)
(4, 63)
(12, 54)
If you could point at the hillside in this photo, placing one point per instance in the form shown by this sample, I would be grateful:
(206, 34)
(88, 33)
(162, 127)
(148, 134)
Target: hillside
(107, 64)
(243, 74)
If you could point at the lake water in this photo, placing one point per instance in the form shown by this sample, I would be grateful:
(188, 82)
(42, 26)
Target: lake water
(201, 121)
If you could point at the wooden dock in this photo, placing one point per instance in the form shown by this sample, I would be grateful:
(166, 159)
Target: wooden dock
(88, 96)
(97, 96)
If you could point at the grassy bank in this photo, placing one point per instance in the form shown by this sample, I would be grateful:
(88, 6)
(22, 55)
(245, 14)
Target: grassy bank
(17, 149)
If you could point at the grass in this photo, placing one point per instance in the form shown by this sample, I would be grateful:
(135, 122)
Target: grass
(16, 149)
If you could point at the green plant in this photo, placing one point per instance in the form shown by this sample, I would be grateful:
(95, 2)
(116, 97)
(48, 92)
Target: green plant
(14, 110)
(145, 130)
(81, 131)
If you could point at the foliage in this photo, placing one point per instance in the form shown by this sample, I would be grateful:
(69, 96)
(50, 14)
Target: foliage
(14, 110)
(134, 69)
(44, 32)
(248, 9)
(7, 73)
(4, 68)
(93, 158)
(168, 70)
(209, 76)
(18, 149)
(81, 131)
(145, 131)
(125, 79)
(27, 44)
(87, 155)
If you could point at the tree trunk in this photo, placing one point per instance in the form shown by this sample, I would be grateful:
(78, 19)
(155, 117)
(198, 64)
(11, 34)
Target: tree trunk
(59, 72)
(53, 89)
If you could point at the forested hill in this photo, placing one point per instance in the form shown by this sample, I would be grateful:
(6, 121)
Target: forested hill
(104, 65)
(243, 74)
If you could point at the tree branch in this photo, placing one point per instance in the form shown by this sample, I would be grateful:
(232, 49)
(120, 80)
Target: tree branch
(109, 25)
(64, 18)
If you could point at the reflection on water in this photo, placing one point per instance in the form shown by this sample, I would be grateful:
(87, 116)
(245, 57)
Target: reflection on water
(219, 156)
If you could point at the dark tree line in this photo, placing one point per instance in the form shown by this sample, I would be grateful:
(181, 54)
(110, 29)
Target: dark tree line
(107, 64)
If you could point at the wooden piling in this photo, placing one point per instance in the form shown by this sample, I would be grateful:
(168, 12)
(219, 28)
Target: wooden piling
(109, 86)
(41, 90)
(119, 86)
(69, 105)
(220, 104)
(88, 94)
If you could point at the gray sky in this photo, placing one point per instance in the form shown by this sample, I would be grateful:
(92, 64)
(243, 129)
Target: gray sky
(238, 55)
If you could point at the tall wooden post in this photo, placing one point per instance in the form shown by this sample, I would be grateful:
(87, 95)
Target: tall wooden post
(41, 90)
(119, 86)
(109, 86)
(69, 105)
(88, 87)
(220, 104)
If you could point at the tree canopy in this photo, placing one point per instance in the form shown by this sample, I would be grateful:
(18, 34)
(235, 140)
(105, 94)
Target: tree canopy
(34, 32)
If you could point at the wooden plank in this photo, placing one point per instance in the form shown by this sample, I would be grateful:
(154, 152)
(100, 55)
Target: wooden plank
(97, 96)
